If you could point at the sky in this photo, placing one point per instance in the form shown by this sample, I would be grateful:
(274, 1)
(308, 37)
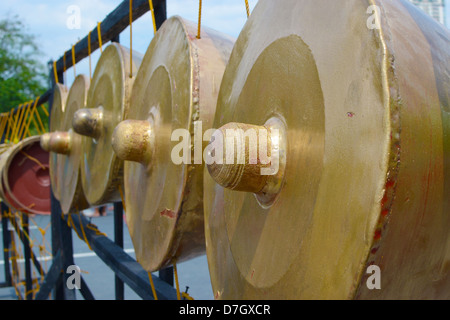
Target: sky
(47, 20)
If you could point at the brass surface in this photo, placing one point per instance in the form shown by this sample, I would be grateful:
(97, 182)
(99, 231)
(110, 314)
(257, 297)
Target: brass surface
(109, 95)
(56, 119)
(366, 179)
(72, 197)
(177, 85)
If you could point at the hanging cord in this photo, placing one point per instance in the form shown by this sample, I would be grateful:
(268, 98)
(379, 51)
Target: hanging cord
(16, 117)
(30, 116)
(21, 113)
(122, 198)
(149, 273)
(89, 54)
(72, 225)
(175, 273)
(99, 31)
(150, 4)
(199, 19)
(55, 72)
(74, 62)
(131, 38)
(152, 285)
(34, 160)
(65, 68)
(25, 121)
(10, 124)
(3, 124)
(247, 8)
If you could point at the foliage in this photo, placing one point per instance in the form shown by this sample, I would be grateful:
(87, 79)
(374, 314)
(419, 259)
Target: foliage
(22, 76)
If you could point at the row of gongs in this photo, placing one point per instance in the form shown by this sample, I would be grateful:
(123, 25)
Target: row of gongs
(361, 132)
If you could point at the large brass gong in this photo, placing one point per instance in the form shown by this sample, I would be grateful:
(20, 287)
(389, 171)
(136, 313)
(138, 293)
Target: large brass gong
(107, 105)
(354, 101)
(67, 144)
(56, 119)
(176, 89)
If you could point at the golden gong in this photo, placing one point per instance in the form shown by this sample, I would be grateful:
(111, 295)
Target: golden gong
(107, 105)
(56, 119)
(67, 144)
(351, 105)
(175, 90)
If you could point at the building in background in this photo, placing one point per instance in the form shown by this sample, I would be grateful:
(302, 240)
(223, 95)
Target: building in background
(435, 8)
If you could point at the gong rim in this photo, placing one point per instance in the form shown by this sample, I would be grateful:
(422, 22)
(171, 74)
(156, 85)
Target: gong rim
(253, 252)
(110, 88)
(60, 93)
(163, 199)
(69, 177)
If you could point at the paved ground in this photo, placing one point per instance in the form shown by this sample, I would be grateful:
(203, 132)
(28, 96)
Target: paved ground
(99, 276)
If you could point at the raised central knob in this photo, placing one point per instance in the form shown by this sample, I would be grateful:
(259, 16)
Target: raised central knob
(132, 140)
(58, 142)
(89, 122)
(249, 158)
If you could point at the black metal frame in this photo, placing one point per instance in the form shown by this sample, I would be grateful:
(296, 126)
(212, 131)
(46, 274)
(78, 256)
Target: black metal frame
(127, 270)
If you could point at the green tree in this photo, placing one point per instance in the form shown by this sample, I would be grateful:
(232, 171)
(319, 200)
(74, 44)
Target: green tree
(22, 76)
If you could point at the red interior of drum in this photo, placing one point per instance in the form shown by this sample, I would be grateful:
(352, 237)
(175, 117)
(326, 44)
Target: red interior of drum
(29, 180)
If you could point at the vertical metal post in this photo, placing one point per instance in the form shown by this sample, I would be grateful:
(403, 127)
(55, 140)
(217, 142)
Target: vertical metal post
(6, 243)
(118, 240)
(118, 230)
(166, 275)
(27, 256)
(61, 232)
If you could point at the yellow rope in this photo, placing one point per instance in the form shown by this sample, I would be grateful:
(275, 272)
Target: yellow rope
(33, 159)
(82, 230)
(89, 53)
(64, 69)
(40, 121)
(152, 285)
(131, 38)
(150, 3)
(24, 122)
(36, 125)
(10, 125)
(175, 273)
(247, 8)
(44, 108)
(94, 228)
(72, 225)
(30, 116)
(122, 198)
(19, 123)
(99, 31)
(16, 117)
(199, 19)
(74, 62)
(3, 124)
(55, 72)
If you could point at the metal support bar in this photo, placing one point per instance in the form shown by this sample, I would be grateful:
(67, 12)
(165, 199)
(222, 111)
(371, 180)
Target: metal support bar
(6, 244)
(125, 267)
(27, 257)
(118, 240)
(166, 275)
(111, 26)
(52, 279)
(22, 236)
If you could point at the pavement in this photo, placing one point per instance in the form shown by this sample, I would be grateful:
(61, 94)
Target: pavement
(98, 276)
